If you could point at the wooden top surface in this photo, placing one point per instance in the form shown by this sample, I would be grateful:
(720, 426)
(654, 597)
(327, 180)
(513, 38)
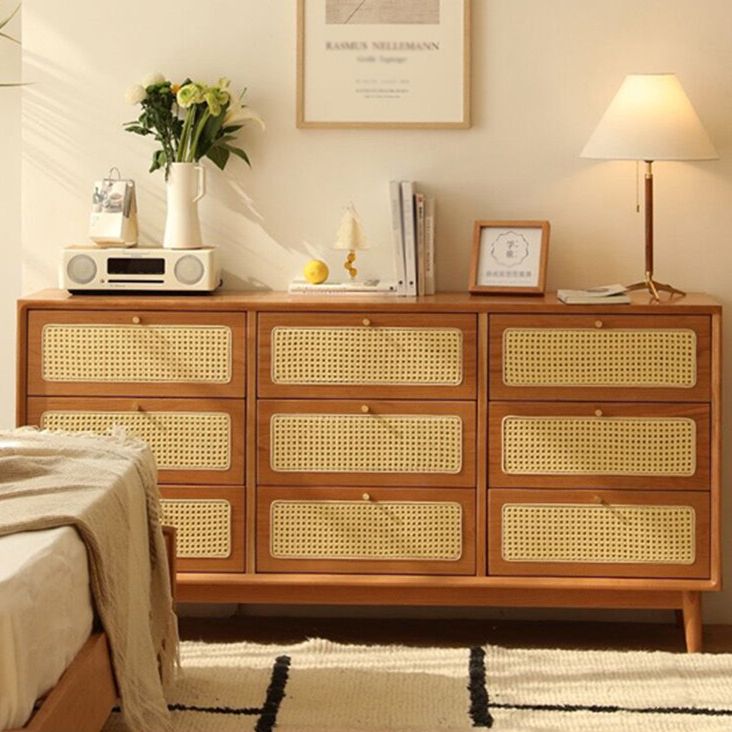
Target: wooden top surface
(443, 301)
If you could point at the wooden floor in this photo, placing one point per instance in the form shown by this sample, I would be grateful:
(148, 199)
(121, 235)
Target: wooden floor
(451, 633)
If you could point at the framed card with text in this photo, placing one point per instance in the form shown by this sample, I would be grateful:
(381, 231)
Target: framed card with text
(383, 63)
(509, 257)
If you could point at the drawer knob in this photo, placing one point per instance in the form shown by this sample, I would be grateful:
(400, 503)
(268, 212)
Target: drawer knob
(598, 324)
(599, 500)
(136, 319)
(366, 497)
(598, 413)
(366, 322)
(136, 407)
(365, 408)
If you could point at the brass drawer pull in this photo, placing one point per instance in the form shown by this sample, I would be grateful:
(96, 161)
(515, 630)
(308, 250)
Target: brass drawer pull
(366, 322)
(366, 497)
(598, 413)
(598, 324)
(136, 319)
(365, 408)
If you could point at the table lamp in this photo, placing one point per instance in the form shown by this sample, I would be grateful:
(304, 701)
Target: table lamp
(350, 236)
(650, 118)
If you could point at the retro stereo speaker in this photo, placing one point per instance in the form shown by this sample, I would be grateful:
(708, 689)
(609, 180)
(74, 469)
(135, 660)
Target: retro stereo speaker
(93, 269)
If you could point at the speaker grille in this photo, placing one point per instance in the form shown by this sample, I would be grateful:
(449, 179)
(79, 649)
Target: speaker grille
(188, 269)
(81, 269)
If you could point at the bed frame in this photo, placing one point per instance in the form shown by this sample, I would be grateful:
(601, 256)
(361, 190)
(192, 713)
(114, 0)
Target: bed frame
(83, 698)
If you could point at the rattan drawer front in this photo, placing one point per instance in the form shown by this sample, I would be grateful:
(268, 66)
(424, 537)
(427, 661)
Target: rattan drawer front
(581, 355)
(612, 444)
(599, 534)
(351, 443)
(368, 530)
(209, 527)
(331, 354)
(143, 353)
(193, 440)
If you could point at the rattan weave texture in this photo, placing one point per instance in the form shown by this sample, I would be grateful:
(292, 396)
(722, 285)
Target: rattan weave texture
(137, 353)
(617, 357)
(626, 534)
(335, 443)
(367, 355)
(658, 446)
(366, 530)
(178, 440)
(203, 526)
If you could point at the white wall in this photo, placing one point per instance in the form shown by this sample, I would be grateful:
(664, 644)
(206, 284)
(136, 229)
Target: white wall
(543, 72)
(10, 250)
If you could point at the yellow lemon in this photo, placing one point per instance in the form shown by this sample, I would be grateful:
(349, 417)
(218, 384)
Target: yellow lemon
(316, 271)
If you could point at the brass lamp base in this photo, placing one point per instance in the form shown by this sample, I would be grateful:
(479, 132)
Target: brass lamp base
(654, 287)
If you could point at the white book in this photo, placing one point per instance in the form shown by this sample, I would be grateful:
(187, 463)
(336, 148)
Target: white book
(372, 287)
(606, 295)
(419, 218)
(397, 233)
(410, 238)
(429, 246)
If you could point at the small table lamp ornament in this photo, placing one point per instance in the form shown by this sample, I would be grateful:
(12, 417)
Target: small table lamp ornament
(650, 118)
(351, 237)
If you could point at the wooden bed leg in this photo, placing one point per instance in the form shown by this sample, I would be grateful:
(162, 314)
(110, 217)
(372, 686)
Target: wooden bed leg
(691, 606)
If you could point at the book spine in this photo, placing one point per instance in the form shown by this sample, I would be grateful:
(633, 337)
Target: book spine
(419, 217)
(397, 230)
(429, 246)
(410, 250)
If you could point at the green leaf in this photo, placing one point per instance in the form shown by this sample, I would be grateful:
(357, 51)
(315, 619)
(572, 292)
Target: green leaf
(218, 156)
(238, 152)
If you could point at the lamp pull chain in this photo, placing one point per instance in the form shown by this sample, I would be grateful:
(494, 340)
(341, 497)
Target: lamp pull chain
(637, 186)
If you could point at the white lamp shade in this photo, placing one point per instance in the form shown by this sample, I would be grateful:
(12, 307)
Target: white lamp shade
(650, 118)
(350, 233)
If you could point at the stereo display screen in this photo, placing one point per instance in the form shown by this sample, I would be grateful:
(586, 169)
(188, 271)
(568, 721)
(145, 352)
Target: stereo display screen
(135, 266)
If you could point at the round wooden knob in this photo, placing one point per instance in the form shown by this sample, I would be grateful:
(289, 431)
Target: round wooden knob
(136, 319)
(366, 322)
(136, 407)
(366, 497)
(598, 324)
(365, 408)
(598, 413)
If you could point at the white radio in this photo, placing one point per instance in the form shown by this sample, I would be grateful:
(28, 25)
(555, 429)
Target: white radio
(93, 269)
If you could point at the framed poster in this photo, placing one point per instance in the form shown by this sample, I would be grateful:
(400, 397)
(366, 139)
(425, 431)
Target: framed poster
(383, 63)
(509, 257)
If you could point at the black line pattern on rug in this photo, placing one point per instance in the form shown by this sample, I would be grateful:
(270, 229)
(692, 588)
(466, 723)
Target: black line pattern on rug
(479, 702)
(611, 709)
(247, 711)
(275, 694)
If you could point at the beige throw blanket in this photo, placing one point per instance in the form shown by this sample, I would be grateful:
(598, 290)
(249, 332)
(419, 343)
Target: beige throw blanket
(106, 487)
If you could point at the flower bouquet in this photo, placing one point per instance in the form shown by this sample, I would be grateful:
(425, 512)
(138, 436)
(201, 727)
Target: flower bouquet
(189, 120)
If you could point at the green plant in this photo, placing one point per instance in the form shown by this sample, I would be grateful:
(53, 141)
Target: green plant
(189, 121)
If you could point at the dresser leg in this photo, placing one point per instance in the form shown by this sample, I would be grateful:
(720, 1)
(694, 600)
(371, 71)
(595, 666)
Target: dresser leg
(691, 606)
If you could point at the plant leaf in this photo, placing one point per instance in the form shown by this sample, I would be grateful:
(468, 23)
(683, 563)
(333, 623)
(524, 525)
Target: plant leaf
(218, 156)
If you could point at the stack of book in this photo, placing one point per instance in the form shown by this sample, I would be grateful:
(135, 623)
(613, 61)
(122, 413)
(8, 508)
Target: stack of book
(605, 295)
(413, 230)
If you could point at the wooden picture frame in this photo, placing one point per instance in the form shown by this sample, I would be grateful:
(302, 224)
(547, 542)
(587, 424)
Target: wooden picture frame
(378, 64)
(509, 257)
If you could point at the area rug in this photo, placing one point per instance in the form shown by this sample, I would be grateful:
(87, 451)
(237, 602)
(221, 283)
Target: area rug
(319, 685)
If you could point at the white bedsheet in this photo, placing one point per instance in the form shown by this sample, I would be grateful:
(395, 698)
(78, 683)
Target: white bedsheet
(45, 615)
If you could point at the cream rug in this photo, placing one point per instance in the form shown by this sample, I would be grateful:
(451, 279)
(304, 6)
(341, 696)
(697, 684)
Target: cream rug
(319, 685)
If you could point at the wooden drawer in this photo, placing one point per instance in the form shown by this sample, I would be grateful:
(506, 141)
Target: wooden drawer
(598, 533)
(334, 442)
(193, 440)
(366, 530)
(135, 353)
(209, 525)
(623, 357)
(376, 355)
(603, 445)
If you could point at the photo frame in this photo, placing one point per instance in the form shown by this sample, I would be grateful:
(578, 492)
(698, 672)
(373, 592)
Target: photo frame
(509, 257)
(383, 64)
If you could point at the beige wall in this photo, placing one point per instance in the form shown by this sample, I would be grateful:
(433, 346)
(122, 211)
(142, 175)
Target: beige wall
(543, 72)
(10, 71)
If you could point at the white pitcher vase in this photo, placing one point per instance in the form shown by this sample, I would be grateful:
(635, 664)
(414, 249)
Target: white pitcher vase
(186, 186)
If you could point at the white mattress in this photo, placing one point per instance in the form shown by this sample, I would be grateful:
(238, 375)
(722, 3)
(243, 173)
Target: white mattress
(45, 615)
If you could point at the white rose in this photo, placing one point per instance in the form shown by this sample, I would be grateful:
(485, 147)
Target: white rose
(135, 94)
(151, 79)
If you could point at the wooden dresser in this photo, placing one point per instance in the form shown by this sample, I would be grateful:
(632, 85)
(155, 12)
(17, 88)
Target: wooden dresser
(447, 450)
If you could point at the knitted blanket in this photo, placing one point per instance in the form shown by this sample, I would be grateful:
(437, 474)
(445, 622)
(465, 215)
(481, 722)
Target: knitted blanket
(106, 488)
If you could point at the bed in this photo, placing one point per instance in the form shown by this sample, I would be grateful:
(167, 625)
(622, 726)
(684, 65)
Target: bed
(68, 506)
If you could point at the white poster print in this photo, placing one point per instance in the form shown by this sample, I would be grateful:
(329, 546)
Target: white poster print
(383, 63)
